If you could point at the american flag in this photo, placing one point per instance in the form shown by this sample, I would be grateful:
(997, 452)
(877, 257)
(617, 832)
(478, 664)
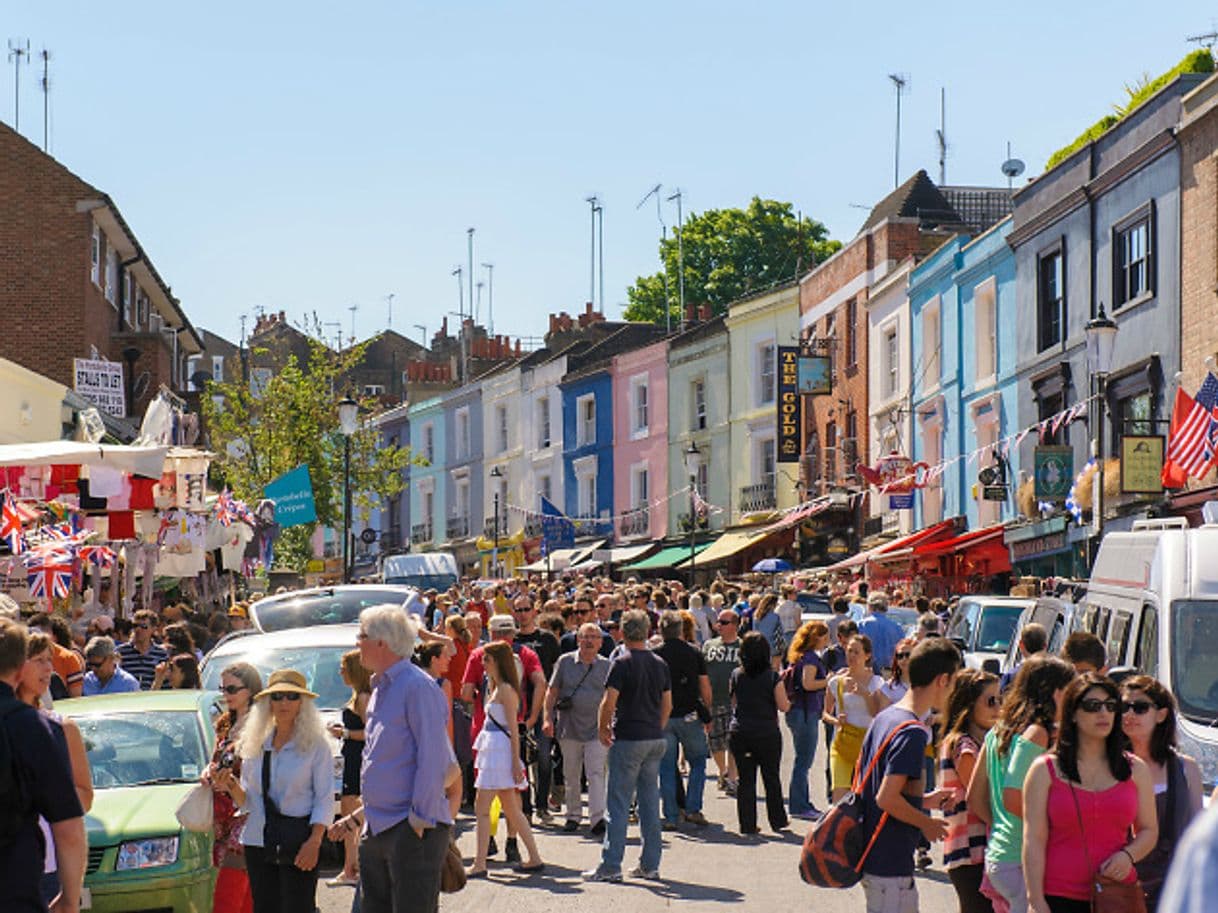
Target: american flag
(10, 525)
(1193, 440)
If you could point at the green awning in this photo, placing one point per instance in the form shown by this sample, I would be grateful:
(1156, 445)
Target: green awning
(664, 558)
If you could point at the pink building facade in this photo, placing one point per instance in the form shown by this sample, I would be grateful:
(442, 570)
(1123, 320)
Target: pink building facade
(640, 439)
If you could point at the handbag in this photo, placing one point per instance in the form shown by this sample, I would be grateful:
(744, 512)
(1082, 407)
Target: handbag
(282, 835)
(1108, 895)
(452, 873)
(566, 703)
(196, 810)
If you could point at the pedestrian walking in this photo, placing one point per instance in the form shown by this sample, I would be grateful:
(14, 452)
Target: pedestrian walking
(883, 631)
(631, 721)
(852, 700)
(140, 655)
(758, 696)
(805, 679)
(686, 730)
(722, 655)
(350, 732)
(767, 623)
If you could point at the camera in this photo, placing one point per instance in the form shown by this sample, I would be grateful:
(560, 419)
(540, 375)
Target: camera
(564, 703)
(227, 759)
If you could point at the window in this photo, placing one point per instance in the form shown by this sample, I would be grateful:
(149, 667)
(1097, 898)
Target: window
(639, 487)
(852, 316)
(1047, 407)
(374, 389)
(463, 434)
(462, 492)
(141, 309)
(766, 452)
(112, 277)
(586, 491)
(192, 366)
(1051, 298)
(217, 368)
(639, 394)
(702, 478)
(985, 329)
(1132, 260)
(585, 432)
(544, 489)
(429, 505)
(830, 334)
(892, 362)
(988, 512)
(543, 423)
(830, 462)
(429, 443)
(767, 356)
(697, 399)
(931, 345)
(501, 429)
(95, 267)
(129, 289)
(932, 453)
(260, 379)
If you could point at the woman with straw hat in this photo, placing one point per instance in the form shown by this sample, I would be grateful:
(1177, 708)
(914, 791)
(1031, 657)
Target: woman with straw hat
(286, 790)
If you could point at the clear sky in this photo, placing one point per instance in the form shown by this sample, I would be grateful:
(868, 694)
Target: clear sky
(310, 156)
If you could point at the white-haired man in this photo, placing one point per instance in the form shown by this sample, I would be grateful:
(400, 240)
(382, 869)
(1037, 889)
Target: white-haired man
(408, 761)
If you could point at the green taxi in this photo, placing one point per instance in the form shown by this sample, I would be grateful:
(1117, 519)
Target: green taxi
(146, 752)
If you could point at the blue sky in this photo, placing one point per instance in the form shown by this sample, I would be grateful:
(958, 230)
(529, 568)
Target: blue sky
(304, 157)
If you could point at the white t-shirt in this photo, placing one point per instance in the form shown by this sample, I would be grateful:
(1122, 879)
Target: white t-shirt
(855, 705)
(789, 614)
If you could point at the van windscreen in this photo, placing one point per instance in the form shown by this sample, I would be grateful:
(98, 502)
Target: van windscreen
(1194, 647)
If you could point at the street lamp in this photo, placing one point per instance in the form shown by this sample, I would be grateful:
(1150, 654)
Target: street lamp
(691, 468)
(1101, 345)
(496, 474)
(348, 417)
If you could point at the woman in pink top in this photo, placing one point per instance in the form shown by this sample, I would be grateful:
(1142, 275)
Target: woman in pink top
(1083, 802)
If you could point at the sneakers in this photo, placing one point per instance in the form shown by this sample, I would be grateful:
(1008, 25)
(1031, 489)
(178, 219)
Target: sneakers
(601, 875)
(342, 881)
(598, 829)
(696, 818)
(492, 848)
(812, 814)
(669, 826)
(571, 826)
(650, 874)
(512, 852)
(731, 787)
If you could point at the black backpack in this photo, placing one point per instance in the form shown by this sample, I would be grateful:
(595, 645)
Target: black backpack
(14, 809)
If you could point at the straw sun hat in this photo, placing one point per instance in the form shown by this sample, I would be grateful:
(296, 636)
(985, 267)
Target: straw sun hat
(285, 680)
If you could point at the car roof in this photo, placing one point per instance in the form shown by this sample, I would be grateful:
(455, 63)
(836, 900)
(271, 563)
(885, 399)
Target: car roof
(172, 699)
(999, 600)
(315, 636)
(394, 588)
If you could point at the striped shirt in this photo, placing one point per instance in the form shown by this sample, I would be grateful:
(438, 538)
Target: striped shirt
(141, 665)
(966, 833)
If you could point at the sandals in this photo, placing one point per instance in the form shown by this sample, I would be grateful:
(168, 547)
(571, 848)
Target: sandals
(530, 869)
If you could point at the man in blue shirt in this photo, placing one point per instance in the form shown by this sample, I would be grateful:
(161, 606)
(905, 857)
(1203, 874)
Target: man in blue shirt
(408, 762)
(885, 633)
(105, 675)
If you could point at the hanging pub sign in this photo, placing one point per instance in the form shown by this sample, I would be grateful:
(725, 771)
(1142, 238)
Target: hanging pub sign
(789, 419)
(1054, 472)
(815, 377)
(1142, 464)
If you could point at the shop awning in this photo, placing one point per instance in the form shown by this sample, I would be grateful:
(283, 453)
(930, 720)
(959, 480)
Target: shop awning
(148, 462)
(798, 515)
(901, 547)
(727, 545)
(590, 565)
(665, 558)
(623, 554)
(973, 539)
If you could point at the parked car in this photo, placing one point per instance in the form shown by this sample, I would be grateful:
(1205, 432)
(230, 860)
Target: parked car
(983, 627)
(333, 605)
(813, 607)
(425, 570)
(146, 751)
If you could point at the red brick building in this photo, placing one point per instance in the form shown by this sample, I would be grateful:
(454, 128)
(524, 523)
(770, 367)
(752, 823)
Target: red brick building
(75, 282)
(1198, 138)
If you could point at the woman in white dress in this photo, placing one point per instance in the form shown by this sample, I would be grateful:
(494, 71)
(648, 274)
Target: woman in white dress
(500, 771)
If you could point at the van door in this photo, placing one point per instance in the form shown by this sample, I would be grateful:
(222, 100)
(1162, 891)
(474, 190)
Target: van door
(1146, 659)
(1118, 637)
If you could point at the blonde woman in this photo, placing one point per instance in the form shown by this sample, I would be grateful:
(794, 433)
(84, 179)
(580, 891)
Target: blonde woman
(852, 700)
(285, 745)
(501, 773)
(351, 733)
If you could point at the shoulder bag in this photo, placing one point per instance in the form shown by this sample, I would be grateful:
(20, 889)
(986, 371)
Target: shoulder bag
(565, 702)
(282, 835)
(452, 873)
(1107, 895)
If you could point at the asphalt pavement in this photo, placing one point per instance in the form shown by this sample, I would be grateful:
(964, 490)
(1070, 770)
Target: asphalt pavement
(707, 868)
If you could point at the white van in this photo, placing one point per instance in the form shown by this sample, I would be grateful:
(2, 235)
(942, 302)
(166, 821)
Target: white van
(421, 570)
(1153, 601)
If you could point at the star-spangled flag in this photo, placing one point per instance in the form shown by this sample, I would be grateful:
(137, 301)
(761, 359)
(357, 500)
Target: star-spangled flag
(10, 525)
(1193, 436)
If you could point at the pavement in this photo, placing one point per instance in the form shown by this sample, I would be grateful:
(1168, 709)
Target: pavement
(707, 868)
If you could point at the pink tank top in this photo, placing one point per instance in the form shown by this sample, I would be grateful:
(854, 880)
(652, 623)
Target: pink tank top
(1107, 815)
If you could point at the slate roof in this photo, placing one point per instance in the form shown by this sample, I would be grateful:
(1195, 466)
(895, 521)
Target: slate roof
(918, 198)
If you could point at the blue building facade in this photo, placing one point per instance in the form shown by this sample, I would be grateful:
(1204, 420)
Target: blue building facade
(428, 481)
(587, 416)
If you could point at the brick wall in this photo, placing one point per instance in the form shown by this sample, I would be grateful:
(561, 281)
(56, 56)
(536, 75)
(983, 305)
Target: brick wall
(1199, 247)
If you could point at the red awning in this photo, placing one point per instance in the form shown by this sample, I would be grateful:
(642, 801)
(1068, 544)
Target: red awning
(798, 515)
(973, 538)
(905, 545)
(983, 548)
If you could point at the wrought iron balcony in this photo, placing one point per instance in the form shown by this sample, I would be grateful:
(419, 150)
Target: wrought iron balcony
(420, 533)
(635, 523)
(760, 496)
(458, 527)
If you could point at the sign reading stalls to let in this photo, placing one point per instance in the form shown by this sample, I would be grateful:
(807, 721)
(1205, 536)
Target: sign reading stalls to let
(101, 383)
(788, 404)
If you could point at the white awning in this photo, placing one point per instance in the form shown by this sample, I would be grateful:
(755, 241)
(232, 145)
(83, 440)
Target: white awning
(143, 461)
(622, 553)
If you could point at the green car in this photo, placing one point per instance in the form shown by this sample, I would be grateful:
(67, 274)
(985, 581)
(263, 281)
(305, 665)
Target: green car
(146, 752)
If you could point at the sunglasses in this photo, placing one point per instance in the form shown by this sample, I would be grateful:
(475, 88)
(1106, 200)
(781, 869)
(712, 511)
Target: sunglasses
(145, 626)
(95, 663)
(727, 621)
(285, 696)
(233, 689)
(1138, 707)
(903, 655)
(1095, 705)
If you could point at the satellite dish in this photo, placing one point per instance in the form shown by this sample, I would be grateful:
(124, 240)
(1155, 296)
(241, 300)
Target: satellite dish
(1012, 168)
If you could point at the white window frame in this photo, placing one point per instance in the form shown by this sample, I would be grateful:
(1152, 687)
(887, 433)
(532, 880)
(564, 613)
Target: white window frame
(985, 332)
(702, 477)
(545, 488)
(766, 372)
(759, 453)
(891, 360)
(585, 427)
(374, 390)
(932, 338)
(699, 414)
(502, 430)
(585, 470)
(545, 436)
(640, 485)
(141, 309)
(640, 407)
(217, 368)
(461, 497)
(462, 436)
(111, 290)
(428, 432)
(192, 366)
(129, 301)
(95, 250)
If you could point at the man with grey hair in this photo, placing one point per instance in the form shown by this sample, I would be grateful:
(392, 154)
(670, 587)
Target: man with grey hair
(407, 764)
(885, 633)
(105, 675)
(632, 717)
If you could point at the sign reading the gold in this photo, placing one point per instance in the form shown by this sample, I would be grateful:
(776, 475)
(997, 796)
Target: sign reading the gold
(1142, 463)
(788, 404)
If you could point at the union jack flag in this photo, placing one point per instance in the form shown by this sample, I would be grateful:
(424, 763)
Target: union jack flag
(99, 555)
(1194, 430)
(50, 578)
(10, 525)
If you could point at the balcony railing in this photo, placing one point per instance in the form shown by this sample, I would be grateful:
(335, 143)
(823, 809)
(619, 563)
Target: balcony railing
(420, 533)
(458, 527)
(592, 526)
(635, 523)
(760, 496)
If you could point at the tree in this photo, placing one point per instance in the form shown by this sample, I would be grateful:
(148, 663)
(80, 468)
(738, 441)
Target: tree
(730, 253)
(259, 434)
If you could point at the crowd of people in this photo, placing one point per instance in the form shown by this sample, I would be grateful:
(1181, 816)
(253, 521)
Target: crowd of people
(586, 705)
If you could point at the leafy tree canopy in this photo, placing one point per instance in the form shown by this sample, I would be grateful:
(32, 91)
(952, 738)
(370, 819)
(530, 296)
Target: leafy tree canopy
(730, 253)
(259, 434)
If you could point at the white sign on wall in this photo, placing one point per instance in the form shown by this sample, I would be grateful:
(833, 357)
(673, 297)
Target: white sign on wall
(101, 383)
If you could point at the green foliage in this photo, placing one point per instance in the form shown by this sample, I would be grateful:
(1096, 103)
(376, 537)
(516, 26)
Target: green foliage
(294, 420)
(730, 253)
(1199, 61)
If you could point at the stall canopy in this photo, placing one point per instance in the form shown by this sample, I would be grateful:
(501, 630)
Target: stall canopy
(563, 559)
(148, 462)
(798, 515)
(665, 558)
(727, 545)
(899, 548)
(623, 554)
(977, 547)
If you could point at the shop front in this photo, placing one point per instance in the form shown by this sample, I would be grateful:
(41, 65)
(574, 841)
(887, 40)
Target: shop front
(1048, 548)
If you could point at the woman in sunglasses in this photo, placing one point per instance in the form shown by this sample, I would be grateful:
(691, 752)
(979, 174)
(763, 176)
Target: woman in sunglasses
(1149, 723)
(286, 790)
(238, 683)
(895, 687)
(972, 710)
(1082, 801)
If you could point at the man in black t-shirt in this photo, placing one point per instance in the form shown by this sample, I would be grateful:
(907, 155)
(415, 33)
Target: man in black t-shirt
(685, 730)
(40, 762)
(545, 645)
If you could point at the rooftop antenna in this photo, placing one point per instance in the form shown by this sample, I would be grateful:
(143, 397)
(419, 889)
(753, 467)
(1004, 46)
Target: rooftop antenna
(46, 100)
(18, 52)
(600, 240)
(338, 331)
(422, 328)
(679, 196)
(655, 192)
(1012, 168)
(459, 272)
(941, 136)
(353, 308)
(389, 298)
(478, 299)
(470, 313)
(901, 82)
(595, 205)
(1206, 41)
(490, 297)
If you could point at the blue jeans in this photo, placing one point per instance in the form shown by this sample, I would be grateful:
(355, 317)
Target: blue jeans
(805, 733)
(634, 769)
(690, 736)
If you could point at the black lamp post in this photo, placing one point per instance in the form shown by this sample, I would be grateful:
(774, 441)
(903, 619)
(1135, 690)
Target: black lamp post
(348, 416)
(496, 474)
(691, 467)
(1101, 346)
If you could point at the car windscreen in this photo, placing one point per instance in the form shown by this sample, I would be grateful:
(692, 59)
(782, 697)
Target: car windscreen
(1194, 658)
(814, 605)
(328, 607)
(318, 664)
(997, 628)
(143, 748)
